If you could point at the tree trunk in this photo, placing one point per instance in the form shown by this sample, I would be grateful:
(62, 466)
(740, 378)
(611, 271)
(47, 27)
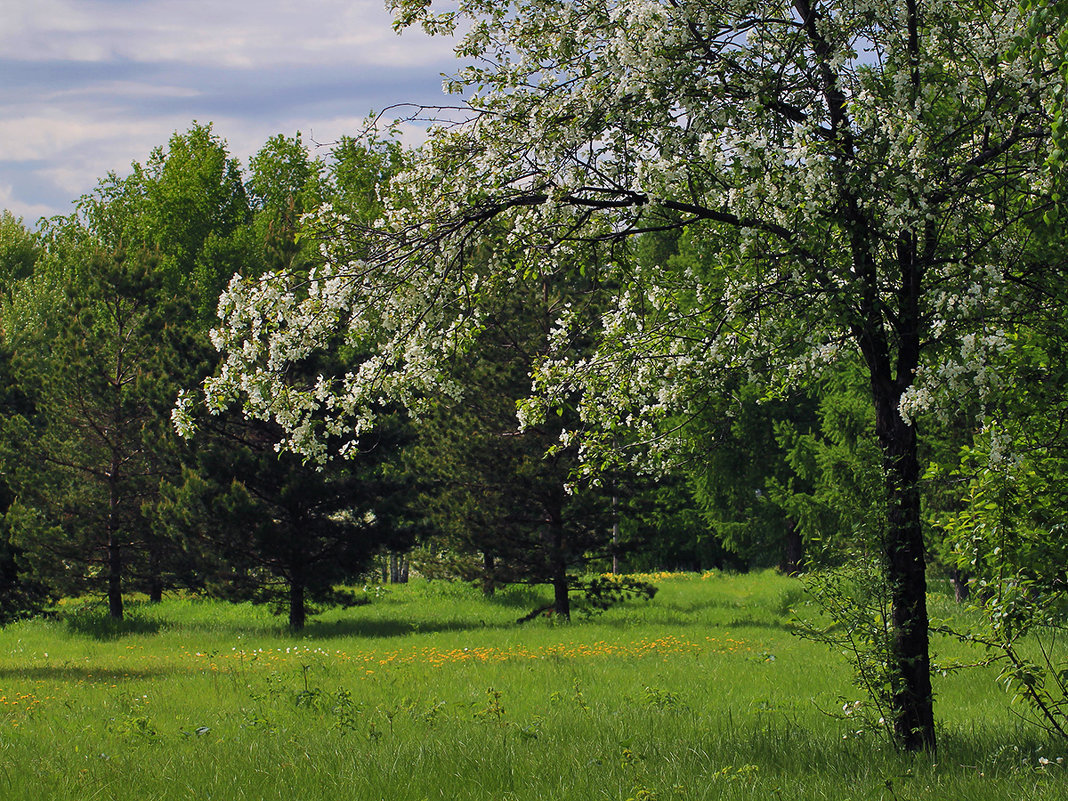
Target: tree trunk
(961, 587)
(398, 568)
(793, 550)
(561, 597)
(155, 580)
(115, 609)
(296, 604)
(912, 699)
(489, 585)
(297, 582)
(615, 535)
(558, 560)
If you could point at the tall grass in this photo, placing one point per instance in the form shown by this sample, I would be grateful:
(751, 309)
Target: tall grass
(432, 691)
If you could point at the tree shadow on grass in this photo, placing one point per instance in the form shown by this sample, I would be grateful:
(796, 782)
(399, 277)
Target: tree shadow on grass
(519, 596)
(90, 623)
(391, 627)
(83, 674)
(757, 623)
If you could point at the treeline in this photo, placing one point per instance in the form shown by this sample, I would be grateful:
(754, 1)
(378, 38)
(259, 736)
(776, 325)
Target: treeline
(108, 316)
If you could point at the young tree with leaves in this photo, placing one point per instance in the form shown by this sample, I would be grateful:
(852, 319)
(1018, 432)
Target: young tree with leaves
(187, 204)
(19, 250)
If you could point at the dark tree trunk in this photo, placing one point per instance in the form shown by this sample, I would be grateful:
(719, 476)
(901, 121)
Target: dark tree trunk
(913, 704)
(296, 605)
(615, 535)
(793, 550)
(558, 563)
(155, 580)
(115, 609)
(489, 584)
(961, 587)
(561, 597)
(297, 612)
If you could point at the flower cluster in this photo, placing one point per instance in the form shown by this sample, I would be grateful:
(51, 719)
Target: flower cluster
(836, 178)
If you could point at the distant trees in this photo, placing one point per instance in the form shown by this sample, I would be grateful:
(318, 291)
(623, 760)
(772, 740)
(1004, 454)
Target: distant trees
(268, 526)
(22, 590)
(103, 332)
(284, 183)
(492, 489)
(19, 250)
(187, 205)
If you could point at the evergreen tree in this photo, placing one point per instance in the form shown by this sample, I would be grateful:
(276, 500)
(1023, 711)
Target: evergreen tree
(21, 592)
(270, 528)
(94, 447)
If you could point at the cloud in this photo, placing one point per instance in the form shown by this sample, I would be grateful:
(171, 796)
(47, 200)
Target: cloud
(91, 85)
(28, 212)
(230, 34)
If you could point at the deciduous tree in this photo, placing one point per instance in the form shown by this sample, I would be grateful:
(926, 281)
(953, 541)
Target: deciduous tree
(858, 173)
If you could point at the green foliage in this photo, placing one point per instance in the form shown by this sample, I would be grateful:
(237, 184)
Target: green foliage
(1010, 536)
(837, 477)
(22, 593)
(603, 592)
(359, 172)
(998, 520)
(853, 605)
(498, 496)
(664, 526)
(19, 251)
(284, 183)
(187, 205)
(267, 527)
(90, 448)
(743, 480)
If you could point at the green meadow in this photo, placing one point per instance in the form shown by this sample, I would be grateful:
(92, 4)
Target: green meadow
(431, 691)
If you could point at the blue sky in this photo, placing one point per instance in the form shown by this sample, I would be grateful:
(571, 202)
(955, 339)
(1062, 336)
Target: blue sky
(88, 86)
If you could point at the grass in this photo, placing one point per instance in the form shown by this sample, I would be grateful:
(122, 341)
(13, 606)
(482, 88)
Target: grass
(431, 691)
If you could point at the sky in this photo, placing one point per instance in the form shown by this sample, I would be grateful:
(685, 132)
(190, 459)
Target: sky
(89, 86)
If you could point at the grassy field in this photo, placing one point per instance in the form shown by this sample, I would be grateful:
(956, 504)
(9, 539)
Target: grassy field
(431, 691)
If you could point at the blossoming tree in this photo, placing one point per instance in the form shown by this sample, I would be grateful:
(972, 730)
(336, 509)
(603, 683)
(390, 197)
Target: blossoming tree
(858, 174)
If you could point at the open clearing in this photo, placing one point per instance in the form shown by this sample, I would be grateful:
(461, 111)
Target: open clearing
(431, 691)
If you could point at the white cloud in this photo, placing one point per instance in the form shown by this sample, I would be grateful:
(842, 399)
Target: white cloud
(29, 212)
(230, 33)
(91, 85)
(130, 89)
(63, 136)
